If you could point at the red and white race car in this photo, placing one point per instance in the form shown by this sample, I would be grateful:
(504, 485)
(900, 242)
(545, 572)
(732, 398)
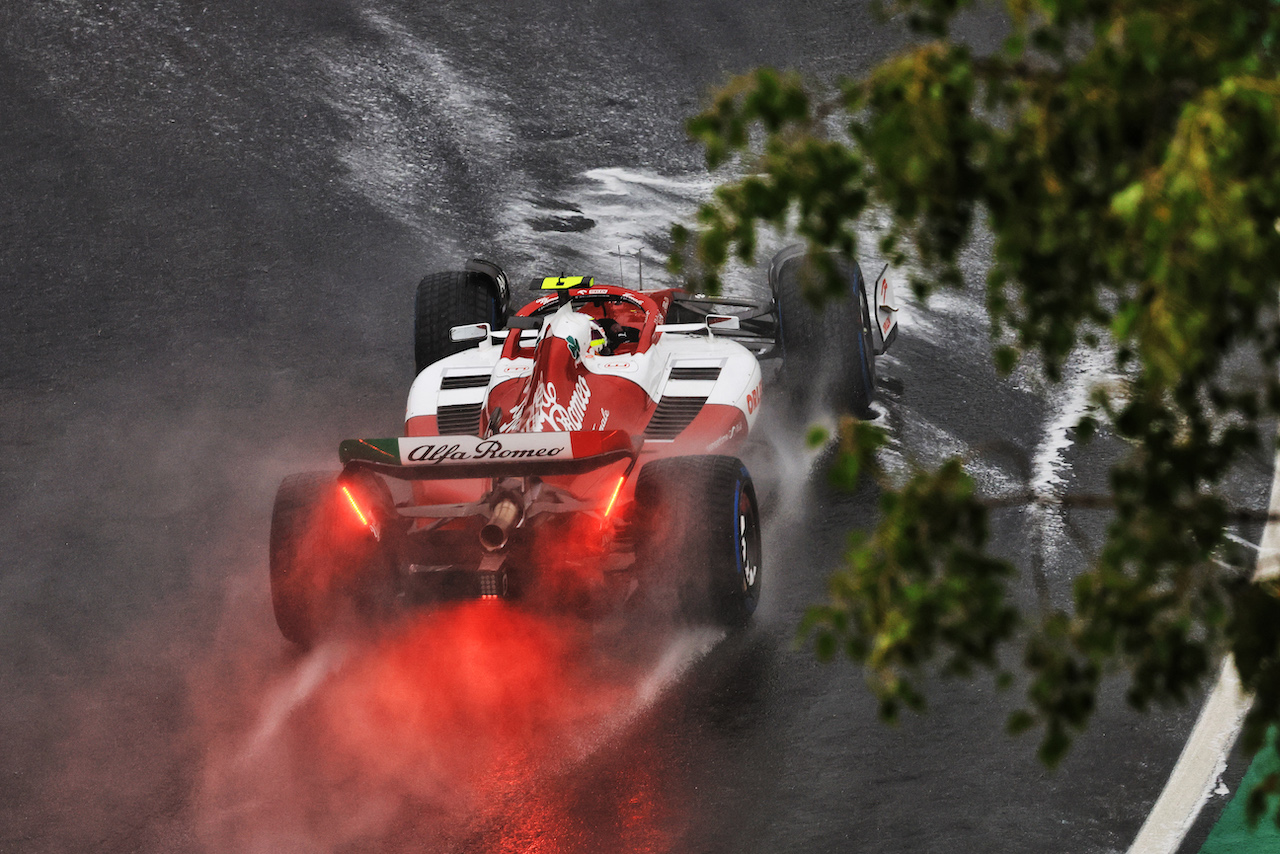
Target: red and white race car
(578, 454)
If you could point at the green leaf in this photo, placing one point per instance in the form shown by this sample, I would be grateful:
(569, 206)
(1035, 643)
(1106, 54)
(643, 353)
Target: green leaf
(1019, 722)
(817, 436)
(1125, 203)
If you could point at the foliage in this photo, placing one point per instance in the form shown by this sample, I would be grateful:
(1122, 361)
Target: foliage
(1125, 157)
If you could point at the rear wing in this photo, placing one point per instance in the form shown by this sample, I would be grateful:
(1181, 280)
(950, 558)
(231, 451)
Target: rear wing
(499, 455)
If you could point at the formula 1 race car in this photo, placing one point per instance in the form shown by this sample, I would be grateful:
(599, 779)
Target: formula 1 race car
(577, 454)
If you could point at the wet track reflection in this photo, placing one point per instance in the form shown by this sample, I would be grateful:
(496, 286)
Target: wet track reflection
(467, 727)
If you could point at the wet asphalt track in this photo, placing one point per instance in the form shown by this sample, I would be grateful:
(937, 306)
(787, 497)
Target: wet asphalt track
(213, 218)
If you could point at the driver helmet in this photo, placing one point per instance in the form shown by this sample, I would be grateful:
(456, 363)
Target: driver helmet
(581, 332)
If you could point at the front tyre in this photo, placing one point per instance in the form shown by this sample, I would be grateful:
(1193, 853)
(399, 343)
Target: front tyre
(449, 299)
(828, 353)
(700, 537)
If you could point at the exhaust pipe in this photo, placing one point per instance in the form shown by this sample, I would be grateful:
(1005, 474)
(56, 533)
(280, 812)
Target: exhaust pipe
(507, 513)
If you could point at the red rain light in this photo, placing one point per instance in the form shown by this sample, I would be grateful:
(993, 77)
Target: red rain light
(614, 497)
(356, 507)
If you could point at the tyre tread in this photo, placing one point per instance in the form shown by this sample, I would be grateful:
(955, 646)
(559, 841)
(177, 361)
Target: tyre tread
(697, 491)
(445, 300)
(296, 511)
(815, 343)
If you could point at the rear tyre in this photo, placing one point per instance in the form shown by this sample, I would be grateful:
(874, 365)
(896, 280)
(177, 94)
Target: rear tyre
(327, 567)
(446, 300)
(699, 545)
(828, 353)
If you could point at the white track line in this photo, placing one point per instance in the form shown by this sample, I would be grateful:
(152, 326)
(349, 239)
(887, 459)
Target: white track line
(1204, 757)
